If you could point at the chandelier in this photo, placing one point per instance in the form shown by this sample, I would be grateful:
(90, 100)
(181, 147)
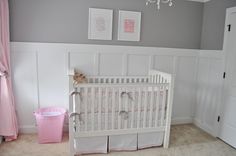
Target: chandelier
(158, 2)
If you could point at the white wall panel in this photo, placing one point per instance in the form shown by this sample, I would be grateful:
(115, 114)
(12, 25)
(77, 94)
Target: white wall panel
(52, 77)
(85, 62)
(138, 65)
(111, 64)
(184, 88)
(203, 71)
(164, 63)
(209, 84)
(24, 79)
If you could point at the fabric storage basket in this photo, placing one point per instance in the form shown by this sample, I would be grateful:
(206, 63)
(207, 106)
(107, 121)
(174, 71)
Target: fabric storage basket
(91, 145)
(150, 140)
(123, 142)
(50, 123)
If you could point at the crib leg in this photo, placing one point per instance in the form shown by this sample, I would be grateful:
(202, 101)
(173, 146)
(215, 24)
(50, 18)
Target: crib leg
(167, 137)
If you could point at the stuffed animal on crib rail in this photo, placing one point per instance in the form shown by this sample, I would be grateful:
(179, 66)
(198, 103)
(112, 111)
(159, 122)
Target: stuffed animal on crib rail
(79, 78)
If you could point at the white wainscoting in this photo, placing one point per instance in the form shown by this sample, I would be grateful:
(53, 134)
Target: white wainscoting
(209, 86)
(40, 75)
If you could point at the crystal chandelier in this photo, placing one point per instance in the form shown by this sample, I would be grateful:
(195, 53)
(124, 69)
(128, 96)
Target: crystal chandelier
(158, 2)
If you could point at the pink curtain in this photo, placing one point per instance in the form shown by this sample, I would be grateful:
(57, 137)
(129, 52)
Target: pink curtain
(8, 121)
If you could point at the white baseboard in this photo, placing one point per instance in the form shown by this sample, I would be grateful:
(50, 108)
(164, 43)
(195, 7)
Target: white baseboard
(28, 129)
(197, 123)
(182, 120)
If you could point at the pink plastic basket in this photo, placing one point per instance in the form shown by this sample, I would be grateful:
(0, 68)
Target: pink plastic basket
(50, 123)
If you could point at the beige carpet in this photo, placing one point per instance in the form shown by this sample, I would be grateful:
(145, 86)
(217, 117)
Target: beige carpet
(186, 140)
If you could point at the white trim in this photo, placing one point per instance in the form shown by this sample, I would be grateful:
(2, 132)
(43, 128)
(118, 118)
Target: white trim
(214, 54)
(91, 48)
(31, 129)
(27, 129)
(180, 121)
(203, 127)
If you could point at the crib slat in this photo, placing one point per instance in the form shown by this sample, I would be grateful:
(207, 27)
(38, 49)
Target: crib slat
(158, 78)
(126, 109)
(139, 105)
(106, 107)
(157, 103)
(163, 106)
(74, 103)
(113, 108)
(119, 117)
(78, 98)
(86, 107)
(151, 107)
(132, 103)
(145, 108)
(92, 108)
(99, 108)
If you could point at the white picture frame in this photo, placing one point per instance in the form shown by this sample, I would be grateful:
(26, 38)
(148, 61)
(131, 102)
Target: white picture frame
(129, 26)
(100, 24)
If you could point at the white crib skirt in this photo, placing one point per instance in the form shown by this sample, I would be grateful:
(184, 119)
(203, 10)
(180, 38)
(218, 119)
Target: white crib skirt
(123, 142)
(150, 139)
(91, 145)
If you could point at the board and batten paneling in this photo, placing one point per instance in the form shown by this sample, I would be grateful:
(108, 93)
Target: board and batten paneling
(25, 85)
(40, 73)
(209, 87)
(185, 88)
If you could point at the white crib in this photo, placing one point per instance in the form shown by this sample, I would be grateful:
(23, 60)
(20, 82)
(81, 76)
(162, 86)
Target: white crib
(119, 106)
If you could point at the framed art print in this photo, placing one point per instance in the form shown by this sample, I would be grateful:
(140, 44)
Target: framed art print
(100, 24)
(129, 26)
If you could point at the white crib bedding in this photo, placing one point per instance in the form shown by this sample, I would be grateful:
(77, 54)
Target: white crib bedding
(124, 123)
(127, 102)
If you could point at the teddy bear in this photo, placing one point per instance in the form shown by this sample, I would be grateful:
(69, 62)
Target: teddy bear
(79, 78)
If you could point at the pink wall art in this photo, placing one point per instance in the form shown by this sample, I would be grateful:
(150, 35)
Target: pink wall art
(129, 26)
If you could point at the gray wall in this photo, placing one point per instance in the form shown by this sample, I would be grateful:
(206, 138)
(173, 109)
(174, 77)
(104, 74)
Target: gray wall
(213, 23)
(67, 21)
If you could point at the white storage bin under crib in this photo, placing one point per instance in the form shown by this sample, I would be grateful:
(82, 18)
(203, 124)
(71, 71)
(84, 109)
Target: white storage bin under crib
(123, 142)
(91, 145)
(150, 140)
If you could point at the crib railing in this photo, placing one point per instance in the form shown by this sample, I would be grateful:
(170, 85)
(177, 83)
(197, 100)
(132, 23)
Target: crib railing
(153, 77)
(117, 80)
(119, 109)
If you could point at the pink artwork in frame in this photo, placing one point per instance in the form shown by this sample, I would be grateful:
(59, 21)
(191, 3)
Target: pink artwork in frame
(129, 25)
